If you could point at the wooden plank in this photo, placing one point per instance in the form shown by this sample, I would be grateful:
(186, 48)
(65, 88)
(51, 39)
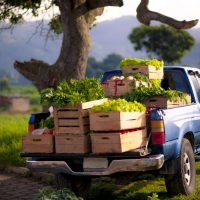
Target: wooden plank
(73, 122)
(38, 143)
(118, 143)
(116, 120)
(85, 105)
(72, 143)
(73, 130)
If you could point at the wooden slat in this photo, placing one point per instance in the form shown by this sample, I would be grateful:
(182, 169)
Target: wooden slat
(73, 122)
(85, 105)
(72, 143)
(73, 130)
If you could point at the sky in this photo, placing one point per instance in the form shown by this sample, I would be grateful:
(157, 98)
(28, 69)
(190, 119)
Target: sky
(180, 9)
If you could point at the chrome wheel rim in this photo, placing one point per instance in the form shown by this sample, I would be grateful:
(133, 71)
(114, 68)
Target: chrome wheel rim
(187, 168)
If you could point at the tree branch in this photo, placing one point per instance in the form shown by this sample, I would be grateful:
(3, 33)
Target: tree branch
(144, 15)
(36, 71)
(90, 5)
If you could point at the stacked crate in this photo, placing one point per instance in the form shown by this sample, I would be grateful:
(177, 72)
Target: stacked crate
(150, 71)
(121, 87)
(117, 132)
(38, 143)
(72, 127)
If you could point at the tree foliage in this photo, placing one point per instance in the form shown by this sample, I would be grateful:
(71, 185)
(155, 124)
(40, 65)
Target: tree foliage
(97, 68)
(162, 42)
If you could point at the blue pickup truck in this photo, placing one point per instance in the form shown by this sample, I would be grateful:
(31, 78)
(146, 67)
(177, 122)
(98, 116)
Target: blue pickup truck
(174, 140)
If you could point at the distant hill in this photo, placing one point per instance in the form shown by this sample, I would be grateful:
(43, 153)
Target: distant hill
(25, 42)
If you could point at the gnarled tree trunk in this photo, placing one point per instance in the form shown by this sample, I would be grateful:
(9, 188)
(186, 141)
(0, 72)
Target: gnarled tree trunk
(72, 60)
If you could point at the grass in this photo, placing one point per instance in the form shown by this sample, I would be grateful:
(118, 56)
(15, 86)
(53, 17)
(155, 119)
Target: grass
(143, 187)
(11, 130)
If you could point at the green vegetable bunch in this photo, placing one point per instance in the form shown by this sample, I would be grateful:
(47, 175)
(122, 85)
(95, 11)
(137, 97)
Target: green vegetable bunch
(52, 194)
(49, 123)
(141, 94)
(155, 82)
(136, 61)
(141, 77)
(119, 105)
(75, 91)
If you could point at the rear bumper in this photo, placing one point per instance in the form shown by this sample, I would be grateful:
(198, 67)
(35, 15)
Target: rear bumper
(123, 165)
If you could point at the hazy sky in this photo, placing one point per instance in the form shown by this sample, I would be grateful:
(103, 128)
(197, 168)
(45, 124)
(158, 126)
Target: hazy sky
(180, 9)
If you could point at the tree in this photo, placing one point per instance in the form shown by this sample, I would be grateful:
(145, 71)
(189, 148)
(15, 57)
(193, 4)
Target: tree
(4, 84)
(96, 68)
(163, 42)
(75, 18)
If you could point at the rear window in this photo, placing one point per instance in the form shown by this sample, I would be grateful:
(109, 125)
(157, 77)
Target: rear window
(108, 75)
(175, 80)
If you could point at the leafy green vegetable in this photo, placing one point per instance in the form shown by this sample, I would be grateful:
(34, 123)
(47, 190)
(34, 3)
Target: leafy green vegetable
(136, 61)
(141, 77)
(52, 194)
(141, 94)
(155, 82)
(119, 105)
(49, 123)
(75, 91)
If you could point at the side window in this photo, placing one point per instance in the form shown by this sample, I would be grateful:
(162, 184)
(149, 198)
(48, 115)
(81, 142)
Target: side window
(195, 80)
(175, 80)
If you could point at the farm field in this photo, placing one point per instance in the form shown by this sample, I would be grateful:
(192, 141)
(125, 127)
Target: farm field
(11, 130)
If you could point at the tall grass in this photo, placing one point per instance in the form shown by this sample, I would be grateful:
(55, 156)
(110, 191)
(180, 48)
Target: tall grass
(12, 127)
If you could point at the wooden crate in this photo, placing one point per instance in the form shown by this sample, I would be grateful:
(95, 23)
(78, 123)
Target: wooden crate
(147, 70)
(116, 120)
(71, 143)
(118, 142)
(121, 87)
(74, 119)
(163, 102)
(38, 143)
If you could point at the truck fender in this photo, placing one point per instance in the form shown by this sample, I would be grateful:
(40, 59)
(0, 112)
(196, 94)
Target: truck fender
(189, 136)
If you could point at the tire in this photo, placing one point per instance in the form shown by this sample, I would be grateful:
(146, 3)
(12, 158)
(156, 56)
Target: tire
(184, 181)
(79, 185)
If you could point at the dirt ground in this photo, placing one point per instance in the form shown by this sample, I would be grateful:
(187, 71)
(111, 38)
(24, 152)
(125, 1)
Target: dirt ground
(17, 187)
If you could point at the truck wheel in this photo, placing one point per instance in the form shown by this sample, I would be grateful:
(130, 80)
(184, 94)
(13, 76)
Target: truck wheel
(183, 182)
(79, 185)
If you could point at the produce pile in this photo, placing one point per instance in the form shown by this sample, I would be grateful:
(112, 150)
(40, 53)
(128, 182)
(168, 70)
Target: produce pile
(76, 91)
(119, 105)
(138, 62)
(142, 94)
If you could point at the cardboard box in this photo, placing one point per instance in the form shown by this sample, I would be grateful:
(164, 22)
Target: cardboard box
(118, 142)
(38, 143)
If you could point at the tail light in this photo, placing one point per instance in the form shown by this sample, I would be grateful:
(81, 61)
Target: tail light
(157, 132)
(31, 127)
